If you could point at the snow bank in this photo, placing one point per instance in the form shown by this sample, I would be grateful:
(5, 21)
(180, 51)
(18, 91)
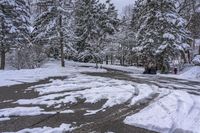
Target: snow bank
(143, 91)
(192, 74)
(176, 112)
(196, 60)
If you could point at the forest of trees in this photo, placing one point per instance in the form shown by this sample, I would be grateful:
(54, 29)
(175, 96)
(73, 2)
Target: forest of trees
(149, 32)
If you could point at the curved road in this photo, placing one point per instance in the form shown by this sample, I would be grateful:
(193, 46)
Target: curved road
(109, 120)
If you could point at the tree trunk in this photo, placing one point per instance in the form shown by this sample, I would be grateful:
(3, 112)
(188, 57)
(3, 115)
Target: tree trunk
(2, 47)
(3, 60)
(189, 57)
(185, 59)
(111, 58)
(61, 42)
(106, 59)
(199, 49)
(123, 60)
(137, 61)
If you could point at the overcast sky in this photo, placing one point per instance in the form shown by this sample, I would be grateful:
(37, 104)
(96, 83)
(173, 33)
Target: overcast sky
(121, 3)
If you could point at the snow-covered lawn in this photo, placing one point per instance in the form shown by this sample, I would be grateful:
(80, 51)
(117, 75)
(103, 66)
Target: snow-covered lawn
(50, 69)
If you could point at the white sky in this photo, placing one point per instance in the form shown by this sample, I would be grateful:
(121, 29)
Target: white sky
(121, 3)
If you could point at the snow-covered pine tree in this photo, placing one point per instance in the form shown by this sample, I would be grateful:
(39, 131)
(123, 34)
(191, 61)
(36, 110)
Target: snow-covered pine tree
(53, 26)
(161, 32)
(85, 30)
(94, 21)
(108, 19)
(138, 9)
(186, 8)
(14, 26)
(107, 26)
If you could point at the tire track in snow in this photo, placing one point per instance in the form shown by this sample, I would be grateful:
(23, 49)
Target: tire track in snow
(115, 116)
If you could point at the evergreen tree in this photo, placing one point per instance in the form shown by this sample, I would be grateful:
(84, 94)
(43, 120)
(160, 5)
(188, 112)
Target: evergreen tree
(53, 27)
(160, 31)
(94, 21)
(14, 26)
(85, 21)
(186, 8)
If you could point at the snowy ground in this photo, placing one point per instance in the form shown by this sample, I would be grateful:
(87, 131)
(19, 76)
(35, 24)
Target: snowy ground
(192, 73)
(79, 99)
(50, 69)
(176, 112)
(62, 128)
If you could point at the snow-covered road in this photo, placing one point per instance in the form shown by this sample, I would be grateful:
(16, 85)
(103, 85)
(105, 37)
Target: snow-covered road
(87, 99)
(176, 109)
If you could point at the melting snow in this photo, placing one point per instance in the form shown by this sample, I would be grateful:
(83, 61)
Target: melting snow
(63, 128)
(22, 111)
(92, 89)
